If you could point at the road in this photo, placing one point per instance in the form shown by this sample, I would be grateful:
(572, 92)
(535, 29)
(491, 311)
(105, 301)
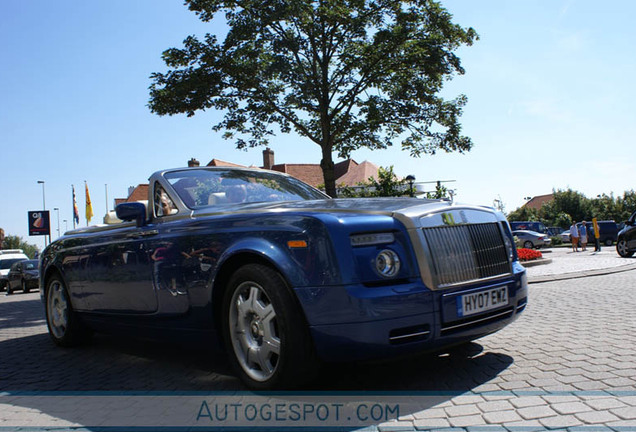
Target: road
(569, 361)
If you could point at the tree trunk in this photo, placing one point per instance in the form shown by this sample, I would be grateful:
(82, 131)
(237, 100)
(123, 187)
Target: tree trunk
(328, 174)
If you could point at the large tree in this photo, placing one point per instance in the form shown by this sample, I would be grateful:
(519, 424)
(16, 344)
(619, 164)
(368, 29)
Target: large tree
(17, 242)
(345, 74)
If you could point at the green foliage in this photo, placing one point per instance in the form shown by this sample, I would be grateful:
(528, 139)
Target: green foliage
(441, 191)
(345, 74)
(556, 240)
(523, 214)
(387, 185)
(16, 242)
(573, 203)
(569, 206)
(563, 220)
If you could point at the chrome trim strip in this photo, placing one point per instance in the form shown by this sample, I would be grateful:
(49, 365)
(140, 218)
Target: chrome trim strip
(469, 323)
(424, 333)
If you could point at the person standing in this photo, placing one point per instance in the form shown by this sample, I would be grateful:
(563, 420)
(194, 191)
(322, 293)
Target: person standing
(583, 236)
(597, 235)
(574, 236)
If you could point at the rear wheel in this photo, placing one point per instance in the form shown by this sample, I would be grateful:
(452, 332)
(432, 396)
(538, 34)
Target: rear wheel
(622, 249)
(528, 244)
(65, 328)
(265, 333)
(608, 242)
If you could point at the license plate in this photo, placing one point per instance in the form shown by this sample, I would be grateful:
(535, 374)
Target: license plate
(470, 304)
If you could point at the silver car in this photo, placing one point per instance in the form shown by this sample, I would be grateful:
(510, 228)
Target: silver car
(532, 239)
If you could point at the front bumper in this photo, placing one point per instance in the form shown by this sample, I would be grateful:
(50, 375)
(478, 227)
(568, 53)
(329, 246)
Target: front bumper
(362, 323)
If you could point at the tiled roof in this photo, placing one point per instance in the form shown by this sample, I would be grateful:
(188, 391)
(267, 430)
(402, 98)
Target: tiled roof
(140, 193)
(537, 201)
(309, 173)
(342, 168)
(359, 174)
(220, 163)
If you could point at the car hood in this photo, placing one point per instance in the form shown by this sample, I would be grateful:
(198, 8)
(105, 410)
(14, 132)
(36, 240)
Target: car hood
(407, 207)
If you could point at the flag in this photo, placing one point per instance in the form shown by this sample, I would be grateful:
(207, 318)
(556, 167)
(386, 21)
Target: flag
(89, 206)
(75, 210)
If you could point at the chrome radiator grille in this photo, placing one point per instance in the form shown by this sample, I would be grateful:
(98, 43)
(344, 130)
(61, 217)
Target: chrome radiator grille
(462, 253)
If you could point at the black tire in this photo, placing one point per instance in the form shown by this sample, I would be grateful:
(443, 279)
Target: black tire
(265, 332)
(65, 327)
(608, 242)
(25, 288)
(622, 249)
(528, 244)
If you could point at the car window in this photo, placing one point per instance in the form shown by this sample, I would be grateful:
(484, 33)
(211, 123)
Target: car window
(30, 265)
(164, 205)
(7, 263)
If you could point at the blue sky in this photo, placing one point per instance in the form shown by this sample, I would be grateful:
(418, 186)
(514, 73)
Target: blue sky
(549, 84)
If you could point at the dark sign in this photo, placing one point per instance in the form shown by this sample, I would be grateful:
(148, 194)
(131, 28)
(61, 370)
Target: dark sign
(39, 223)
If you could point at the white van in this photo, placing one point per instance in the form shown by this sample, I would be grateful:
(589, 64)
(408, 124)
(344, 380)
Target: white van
(7, 258)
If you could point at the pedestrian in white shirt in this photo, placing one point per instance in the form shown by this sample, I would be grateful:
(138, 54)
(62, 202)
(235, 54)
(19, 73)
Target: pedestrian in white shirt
(574, 236)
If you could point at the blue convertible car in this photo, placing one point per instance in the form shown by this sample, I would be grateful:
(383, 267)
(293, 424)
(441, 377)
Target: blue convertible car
(284, 276)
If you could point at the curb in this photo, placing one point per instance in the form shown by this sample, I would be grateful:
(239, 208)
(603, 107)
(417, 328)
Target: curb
(536, 262)
(581, 274)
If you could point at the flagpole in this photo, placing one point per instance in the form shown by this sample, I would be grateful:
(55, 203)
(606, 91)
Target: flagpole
(106, 188)
(74, 204)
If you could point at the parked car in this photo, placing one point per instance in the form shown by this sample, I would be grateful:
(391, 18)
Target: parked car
(608, 232)
(532, 239)
(565, 236)
(554, 231)
(7, 258)
(23, 275)
(284, 276)
(529, 226)
(626, 243)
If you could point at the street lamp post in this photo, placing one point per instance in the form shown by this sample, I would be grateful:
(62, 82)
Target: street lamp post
(410, 179)
(44, 208)
(58, 220)
(65, 225)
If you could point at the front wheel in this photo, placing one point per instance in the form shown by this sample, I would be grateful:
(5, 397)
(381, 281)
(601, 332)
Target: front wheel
(622, 249)
(265, 332)
(65, 327)
(608, 242)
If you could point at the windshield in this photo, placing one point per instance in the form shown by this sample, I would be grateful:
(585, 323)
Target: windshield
(205, 187)
(31, 265)
(6, 263)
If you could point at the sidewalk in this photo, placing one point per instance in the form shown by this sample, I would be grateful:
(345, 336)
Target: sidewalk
(566, 264)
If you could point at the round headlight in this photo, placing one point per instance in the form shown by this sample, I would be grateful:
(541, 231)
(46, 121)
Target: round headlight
(509, 248)
(387, 263)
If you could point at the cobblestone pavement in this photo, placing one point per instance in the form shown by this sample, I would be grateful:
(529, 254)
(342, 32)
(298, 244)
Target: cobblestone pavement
(563, 263)
(569, 362)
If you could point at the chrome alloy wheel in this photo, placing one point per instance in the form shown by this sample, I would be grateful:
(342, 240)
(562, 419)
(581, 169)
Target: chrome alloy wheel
(57, 308)
(254, 331)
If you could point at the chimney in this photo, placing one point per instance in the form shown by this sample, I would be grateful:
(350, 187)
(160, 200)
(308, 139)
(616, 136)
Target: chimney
(193, 163)
(268, 158)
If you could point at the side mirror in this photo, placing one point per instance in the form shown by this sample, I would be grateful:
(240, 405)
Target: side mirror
(132, 211)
